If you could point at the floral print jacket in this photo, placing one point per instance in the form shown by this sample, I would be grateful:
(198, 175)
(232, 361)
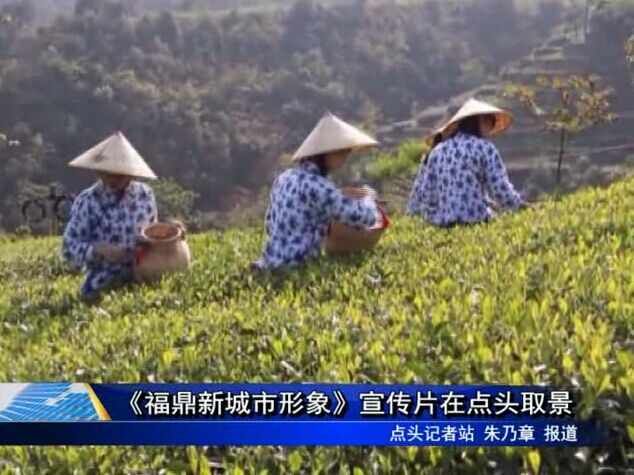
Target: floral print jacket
(302, 203)
(100, 215)
(455, 184)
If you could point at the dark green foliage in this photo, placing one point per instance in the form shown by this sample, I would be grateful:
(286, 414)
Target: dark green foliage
(212, 100)
(405, 162)
(175, 202)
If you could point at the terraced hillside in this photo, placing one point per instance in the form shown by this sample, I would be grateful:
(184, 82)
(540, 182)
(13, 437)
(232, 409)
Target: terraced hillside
(545, 296)
(593, 157)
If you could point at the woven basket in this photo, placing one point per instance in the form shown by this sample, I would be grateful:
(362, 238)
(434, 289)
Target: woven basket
(161, 233)
(344, 239)
(164, 251)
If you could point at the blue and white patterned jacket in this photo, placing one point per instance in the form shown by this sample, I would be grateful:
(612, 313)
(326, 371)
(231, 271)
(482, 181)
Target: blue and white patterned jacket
(302, 204)
(98, 215)
(455, 183)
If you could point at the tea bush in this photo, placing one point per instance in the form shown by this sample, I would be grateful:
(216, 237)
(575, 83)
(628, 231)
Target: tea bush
(405, 162)
(544, 296)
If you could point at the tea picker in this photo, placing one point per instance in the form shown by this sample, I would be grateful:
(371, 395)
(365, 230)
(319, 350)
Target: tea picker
(464, 170)
(306, 209)
(107, 219)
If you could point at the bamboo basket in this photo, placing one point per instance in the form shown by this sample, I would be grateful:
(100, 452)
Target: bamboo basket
(344, 239)
(164, 251)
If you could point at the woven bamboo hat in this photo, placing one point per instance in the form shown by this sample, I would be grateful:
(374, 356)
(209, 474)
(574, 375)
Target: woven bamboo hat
(474, 107)
(332, 134)
(114, 155)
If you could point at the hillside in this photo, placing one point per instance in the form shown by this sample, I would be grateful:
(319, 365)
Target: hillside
(46, 11)
(593, 156)
(543, 296)
(213, 101)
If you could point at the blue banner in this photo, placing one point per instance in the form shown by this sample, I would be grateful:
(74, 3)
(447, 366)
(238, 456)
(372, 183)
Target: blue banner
(291, 414)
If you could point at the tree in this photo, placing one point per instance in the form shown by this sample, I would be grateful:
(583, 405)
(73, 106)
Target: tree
(586, 19)
(629, 54)
(213, 100)
(579, 103)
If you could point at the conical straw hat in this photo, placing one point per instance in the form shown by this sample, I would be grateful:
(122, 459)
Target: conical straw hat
(114, 155)
(473, 107)
(332, 134)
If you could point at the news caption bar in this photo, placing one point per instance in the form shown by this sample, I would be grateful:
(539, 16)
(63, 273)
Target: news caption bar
(291, 415)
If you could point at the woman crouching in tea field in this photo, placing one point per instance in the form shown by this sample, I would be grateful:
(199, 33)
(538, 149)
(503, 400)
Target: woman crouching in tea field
(304, 200)
(465, 170)
(107, 218)
(433, 140)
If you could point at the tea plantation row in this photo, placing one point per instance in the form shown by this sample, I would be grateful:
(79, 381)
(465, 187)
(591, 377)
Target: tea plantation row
(544, 296)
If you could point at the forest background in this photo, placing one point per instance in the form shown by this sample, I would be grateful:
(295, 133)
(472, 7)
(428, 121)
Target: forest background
(216, 93)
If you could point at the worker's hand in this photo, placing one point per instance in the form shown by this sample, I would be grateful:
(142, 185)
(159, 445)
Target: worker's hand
(356, 193)
(110, 253)
(361, 192)
(371, 192)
